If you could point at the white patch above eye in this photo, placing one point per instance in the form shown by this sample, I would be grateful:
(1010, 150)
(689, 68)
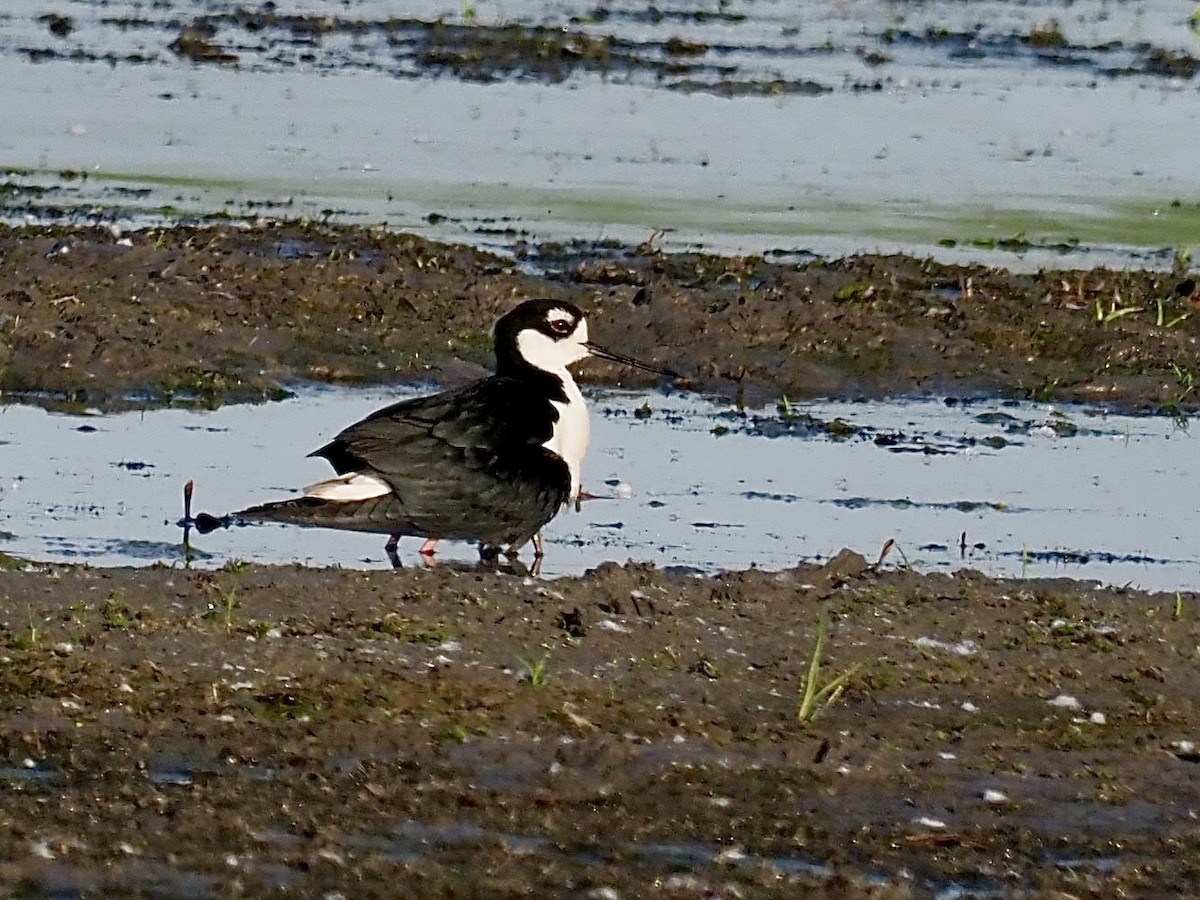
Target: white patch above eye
(348, 487)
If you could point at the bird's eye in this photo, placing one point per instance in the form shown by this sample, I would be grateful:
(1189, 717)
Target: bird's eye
(561, 326)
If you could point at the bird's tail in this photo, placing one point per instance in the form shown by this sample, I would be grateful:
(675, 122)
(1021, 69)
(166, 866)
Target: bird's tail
(382, 515)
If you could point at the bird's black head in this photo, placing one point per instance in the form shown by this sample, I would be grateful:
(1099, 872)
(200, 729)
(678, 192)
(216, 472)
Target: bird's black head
(549, 335)
(543, 334)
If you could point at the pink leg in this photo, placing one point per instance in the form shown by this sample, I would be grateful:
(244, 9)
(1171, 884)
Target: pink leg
(427, 548)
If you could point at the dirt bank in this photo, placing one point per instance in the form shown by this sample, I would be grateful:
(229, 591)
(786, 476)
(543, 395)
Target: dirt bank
(457, 732)
(219, 314)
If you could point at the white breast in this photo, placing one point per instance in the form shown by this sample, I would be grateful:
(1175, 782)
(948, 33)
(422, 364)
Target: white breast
(571, 433)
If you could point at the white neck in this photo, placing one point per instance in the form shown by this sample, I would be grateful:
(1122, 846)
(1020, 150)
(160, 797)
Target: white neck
(571, 432)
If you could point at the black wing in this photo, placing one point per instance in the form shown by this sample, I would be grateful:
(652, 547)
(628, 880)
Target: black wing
(467, 463)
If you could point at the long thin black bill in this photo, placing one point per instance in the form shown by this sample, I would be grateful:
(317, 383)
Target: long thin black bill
(604, 353)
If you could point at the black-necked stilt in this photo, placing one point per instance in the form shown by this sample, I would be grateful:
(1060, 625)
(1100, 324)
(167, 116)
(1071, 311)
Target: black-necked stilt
(492, 462)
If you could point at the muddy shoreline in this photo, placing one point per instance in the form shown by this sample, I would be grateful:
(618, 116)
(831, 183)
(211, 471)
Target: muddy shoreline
(465, 732)
(98, 317)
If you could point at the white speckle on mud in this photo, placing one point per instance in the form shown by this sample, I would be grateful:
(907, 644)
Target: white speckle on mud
(242, 686)
(63, 648)
(610, 625)
(231, 860)
(1098, 718)
(919, 704)
(125, 688)
(1065, 701)
(28, 763)
(40, 849)
(721, 802)
(679, 739)
(958, 648)
(331, 855)
(730, 855)
(603, 893)
(944, 755)
(928, 822)
(1183, 746)
(968, 706)
(225, 717)
(70, 704)
(991, 796)
(844, 770)
(449, 646)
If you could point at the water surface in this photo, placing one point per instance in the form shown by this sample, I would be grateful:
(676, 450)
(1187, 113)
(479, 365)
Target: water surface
(1008, 488)
(935, 128)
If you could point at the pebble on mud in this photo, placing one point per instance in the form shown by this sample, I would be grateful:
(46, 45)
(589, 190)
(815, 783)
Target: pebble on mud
(1065, 701)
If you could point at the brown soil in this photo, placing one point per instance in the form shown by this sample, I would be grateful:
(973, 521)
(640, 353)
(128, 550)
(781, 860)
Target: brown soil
(463, 732)
(220, 314)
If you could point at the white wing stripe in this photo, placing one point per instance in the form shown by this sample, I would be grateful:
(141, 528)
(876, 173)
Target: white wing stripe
(351, 486)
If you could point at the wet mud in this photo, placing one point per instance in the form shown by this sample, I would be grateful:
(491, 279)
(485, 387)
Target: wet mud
(850, 730)
(97, 317)
(457, 731)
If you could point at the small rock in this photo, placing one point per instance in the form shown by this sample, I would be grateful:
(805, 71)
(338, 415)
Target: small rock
(927, 822)
(330, 855)
(1098, 718)
(730, 855)
(990, 796)
(958, 648)
(1065, 701)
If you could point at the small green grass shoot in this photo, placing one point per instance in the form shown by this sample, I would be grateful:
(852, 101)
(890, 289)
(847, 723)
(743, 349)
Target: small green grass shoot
(1114, 312)
(816, 697)
(535, 672)
(223, 610)
(27, 640)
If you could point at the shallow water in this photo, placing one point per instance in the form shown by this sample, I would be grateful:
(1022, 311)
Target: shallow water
(1007, 488)
(936, 128)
